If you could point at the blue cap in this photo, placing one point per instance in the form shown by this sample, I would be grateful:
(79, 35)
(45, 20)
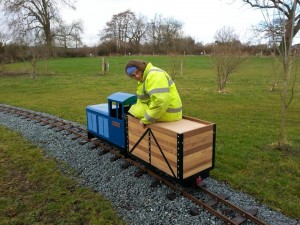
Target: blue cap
(130, 70)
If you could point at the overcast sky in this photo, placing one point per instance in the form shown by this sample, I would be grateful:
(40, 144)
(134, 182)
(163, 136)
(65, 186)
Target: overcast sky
(201, 18)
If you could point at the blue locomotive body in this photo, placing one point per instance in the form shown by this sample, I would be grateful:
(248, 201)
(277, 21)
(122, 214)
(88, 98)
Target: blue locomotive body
(106, 121)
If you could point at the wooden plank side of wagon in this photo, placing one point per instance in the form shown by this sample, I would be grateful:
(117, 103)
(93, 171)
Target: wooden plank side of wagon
(164, 153)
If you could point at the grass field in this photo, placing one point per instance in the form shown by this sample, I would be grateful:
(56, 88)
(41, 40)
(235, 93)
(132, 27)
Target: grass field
(247, 117)
(34, 191)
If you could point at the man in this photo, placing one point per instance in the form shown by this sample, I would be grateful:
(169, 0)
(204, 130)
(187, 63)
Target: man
(158, 99)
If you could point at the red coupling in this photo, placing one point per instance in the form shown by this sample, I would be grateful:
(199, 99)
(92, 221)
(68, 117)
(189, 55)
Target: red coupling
(198, 180)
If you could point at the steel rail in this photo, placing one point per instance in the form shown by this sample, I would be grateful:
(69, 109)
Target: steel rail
(82, 133)
(229, 204)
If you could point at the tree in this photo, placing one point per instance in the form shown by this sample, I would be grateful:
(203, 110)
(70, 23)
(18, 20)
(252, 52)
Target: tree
(272, 31)
(227, 55)
(130, 33)
(125, 31)
(171, 32)
(137, 32)
(38, 15)
(2, 50)
(288, 13)
(163, 33)
(175, 65)
(31, 49)
(68, 35)
(121, 30)
(155, 33)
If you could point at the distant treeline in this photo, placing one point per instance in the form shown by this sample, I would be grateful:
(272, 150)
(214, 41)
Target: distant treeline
(14, 52)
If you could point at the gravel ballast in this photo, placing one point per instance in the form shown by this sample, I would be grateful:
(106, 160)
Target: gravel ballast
(135, 201)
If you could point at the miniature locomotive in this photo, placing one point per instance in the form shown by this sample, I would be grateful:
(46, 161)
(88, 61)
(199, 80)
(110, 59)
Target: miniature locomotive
(183, 150)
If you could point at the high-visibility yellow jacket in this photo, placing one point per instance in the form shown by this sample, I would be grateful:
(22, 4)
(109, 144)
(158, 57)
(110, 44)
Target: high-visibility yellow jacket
(157, 97)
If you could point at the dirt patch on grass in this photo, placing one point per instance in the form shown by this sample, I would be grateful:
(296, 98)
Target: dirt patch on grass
(13, 74)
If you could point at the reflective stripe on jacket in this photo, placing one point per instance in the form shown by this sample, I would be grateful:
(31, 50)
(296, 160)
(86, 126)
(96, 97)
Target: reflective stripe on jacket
(158, 99)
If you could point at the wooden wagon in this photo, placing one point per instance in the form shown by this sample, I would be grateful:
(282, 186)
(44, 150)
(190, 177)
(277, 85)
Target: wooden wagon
(183, 149)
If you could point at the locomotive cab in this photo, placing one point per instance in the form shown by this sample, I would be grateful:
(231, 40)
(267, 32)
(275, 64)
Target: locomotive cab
(107, 121)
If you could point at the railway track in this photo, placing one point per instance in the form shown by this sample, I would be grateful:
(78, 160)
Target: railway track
(218, 205)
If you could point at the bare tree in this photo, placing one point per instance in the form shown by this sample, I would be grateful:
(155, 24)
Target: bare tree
(137, 32)
(171, 33)
(31, 49)
(163, 33)
(227, 55)
(117, 30)
(76, 33)
(125, 31)
(288, 15)
(272, 31)
(68, 35)
(186, 45)
(38, 15)
(155, 33)
(2, 50)
(176, 62)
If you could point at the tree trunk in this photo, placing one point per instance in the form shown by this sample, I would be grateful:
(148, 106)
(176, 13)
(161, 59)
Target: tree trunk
(282, 135)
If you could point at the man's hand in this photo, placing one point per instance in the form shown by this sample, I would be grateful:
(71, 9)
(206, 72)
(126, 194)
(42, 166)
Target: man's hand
(142, 124)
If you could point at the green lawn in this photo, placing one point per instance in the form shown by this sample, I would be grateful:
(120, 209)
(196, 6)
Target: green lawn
(247, 117)
(34, 191)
